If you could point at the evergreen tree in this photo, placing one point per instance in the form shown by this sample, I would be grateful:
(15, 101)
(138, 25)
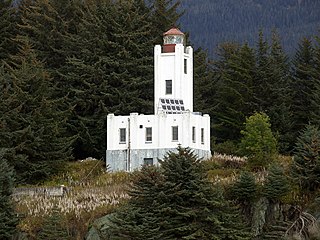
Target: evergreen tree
(245, 191)
(177, 202)
(139, 218)
(304, 86)
(262, 73)
(53, 227)
(234, 91)
(7, 28)
(111, 72)
(165, 15)
(278, 94)
(277, 184)
(191, 209)
(245, 188)
(46, 23)
(204, 83)
(8, 219)
(258, 142)
(306, 161)
(272, 88)
(33, 126)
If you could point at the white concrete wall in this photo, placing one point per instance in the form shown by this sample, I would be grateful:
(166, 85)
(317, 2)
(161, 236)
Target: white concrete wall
(170, 66)
(161, 125)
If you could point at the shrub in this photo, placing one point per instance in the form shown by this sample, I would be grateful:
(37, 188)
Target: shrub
(258, 142)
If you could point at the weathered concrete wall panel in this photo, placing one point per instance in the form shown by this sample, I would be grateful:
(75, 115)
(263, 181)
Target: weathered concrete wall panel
(118, 160)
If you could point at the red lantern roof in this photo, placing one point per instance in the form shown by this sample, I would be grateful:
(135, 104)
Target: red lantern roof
(173, 31)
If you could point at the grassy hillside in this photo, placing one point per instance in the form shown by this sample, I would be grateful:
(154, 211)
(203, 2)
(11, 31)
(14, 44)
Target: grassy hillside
(91, 193)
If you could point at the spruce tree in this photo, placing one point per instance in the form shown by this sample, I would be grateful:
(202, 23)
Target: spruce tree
(234, 91)
(140, 217)
(176, 202)
(262, 73)
(306, 161)
(204, 83)
(191, 208)
(33, 126)
(278, 94)
(111, 72)
(53, 227)
(8, 218)
(8, 28)
(165, 15)
(304, 86)
(245, 188)
(272, 93)
(47, 23)
(277, 184)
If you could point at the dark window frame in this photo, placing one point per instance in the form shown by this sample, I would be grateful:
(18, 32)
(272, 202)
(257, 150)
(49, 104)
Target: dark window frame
(175, 133)
(202, 135)
(122, 135)
(148, 134)
(168, 87)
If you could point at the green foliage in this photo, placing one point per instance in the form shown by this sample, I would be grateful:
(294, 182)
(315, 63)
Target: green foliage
(306, 163)
(234, 86)
(164, 15)
(53, 228)
(8, 219)
(245, 188)
(228, 147)
(304, 86)
(33, 126)
(179, 203)
(8, 29)
(140, 219)
(258, 142)
(213, 21)
(277, 184)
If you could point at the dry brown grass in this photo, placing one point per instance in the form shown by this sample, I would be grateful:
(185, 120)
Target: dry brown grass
(92, 193)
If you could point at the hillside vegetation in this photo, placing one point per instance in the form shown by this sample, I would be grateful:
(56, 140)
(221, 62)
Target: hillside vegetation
(212, 22)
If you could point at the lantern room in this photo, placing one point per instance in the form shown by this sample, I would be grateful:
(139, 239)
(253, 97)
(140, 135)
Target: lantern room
(171, 38)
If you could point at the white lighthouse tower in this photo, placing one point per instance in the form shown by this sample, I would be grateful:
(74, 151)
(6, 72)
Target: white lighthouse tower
(143, 139)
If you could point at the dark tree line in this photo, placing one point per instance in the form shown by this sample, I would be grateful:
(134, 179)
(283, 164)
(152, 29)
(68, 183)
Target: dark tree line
(246, 79)
(64, 66)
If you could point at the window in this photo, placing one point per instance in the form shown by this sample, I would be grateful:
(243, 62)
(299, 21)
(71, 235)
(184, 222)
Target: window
(175, 133)
(168, 86)
(185, 66)
(148, 161)
(202, 135)
(122, 135)
(194, 134)
(148, 134)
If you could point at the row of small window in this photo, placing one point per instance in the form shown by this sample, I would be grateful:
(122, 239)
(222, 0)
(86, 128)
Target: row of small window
(174, 130)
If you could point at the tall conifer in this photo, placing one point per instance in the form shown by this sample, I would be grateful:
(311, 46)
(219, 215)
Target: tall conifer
(33, 126)
(177, 202)
(304, 87)
(8, 218)
(234, 91)
(8, 28)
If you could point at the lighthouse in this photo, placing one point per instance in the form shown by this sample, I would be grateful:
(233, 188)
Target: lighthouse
(139, 139)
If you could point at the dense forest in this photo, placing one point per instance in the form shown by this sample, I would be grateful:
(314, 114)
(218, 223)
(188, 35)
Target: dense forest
(211, 22)
(64, 65)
